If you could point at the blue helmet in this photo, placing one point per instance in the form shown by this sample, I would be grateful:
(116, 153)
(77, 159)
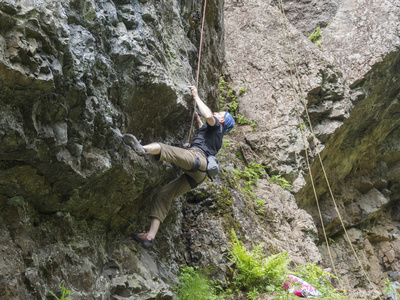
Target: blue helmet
(229, 122)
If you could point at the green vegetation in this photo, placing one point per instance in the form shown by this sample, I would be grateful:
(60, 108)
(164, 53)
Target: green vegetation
(315, 37)
(229, 101)
(278, 179)
(254, 270)
(241, 120)
(226, 144)
(390, 287)
(194, 285)
(226, 94)
(260, 202)
(64, 293)
(319, 278)
(250, 176)
(239, 155)
(253, 273)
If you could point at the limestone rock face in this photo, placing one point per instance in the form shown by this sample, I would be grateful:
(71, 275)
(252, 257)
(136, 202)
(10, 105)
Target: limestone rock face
(362, 159)
(74, 76)
(307, 15)
(350, 88)
(77, 74)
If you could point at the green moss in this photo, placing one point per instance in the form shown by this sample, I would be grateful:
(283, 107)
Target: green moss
(229, 101)
(223, 207)
(250, 176)
(282, 182)
(239, 155)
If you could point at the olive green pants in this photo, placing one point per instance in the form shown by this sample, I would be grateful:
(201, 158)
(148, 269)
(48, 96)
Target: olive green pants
(184, 159)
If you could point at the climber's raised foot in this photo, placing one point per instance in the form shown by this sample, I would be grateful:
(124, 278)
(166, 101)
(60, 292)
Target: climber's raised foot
(133, 142)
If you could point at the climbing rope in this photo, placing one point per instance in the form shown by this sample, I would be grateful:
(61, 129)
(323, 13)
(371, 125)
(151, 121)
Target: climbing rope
(287, 37)
(198, 68)
(288, 46)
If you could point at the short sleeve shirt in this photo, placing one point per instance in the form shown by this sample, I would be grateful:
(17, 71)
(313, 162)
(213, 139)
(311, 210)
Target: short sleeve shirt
(209, 138)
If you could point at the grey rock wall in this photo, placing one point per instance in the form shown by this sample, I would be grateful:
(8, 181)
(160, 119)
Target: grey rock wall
(349, 83)
(362, 159)
(74, 76)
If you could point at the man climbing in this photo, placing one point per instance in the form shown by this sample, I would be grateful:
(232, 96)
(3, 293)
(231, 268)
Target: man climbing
(193, 162)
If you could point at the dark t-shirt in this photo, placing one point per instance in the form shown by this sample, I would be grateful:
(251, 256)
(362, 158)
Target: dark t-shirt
(209, 138)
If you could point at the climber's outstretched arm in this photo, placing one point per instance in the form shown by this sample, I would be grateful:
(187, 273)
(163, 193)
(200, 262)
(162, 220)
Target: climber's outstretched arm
(205, 111)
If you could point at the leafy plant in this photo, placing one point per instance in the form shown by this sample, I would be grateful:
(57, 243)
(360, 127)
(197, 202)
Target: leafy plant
(253, 294)
(390, 287)
(254, 270)
(318, 278)
(226, 94)
(228, 100)
(278, 179)
(242, 120)
(239, 155)
(227, 144)
(233, 107)
(193, 285)
(251, 173)
(64, 293)
(250, 176)
(315, 37)
(260, 202)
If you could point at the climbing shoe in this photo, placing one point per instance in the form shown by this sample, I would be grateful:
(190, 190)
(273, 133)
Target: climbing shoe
(132, 142)
(142, 239)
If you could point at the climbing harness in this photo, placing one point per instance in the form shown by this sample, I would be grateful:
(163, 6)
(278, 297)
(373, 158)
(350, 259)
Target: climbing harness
(212, 169)
(288, 46)
(198, 68)
(196, 165)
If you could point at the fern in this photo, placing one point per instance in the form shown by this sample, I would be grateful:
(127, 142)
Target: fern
(254, 269)
(194, 285)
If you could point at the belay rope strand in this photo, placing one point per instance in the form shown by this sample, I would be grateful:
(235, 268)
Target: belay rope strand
(287, 42)
(289, 45)
(198, 68)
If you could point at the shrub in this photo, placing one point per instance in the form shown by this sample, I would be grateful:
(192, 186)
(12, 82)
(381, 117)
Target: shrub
(193, 285)
(254, 270)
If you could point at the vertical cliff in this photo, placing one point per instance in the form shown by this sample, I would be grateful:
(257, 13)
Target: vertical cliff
(74, 76)
(77, 74)
(349, 82)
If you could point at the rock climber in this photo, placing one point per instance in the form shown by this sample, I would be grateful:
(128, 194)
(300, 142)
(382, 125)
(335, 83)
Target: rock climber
(193, 162)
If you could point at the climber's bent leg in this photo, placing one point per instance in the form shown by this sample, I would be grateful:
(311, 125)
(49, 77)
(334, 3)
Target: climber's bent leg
(154, 225)
(163, 199)
(181, 157)
(153, 148)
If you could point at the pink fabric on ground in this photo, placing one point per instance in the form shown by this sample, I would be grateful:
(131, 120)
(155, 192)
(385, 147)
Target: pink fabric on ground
(299, 287)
